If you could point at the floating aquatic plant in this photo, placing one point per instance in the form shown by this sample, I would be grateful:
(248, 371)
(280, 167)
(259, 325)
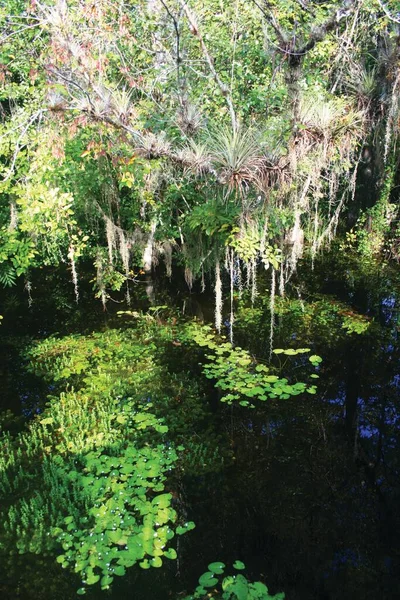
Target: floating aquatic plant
(241, 377)
(87, 480)
(230, 587)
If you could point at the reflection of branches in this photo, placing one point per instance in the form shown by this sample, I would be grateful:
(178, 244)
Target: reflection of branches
(36, 115)
(194, 28)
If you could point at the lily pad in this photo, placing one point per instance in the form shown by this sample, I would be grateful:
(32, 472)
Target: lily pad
(216, 567)
(208, 580)
(106, 581)
(171, 554)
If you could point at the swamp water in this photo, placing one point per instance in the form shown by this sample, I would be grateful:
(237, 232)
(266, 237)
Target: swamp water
(305, 491)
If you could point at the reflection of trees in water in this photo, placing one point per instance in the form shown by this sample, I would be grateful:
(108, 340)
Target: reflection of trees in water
(319, 476)
(311, 499)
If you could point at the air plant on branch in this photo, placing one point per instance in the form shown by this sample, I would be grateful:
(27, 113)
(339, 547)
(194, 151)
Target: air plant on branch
(237, 156)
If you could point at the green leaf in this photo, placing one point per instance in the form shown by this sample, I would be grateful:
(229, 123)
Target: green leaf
(106, 581)
(312, 390)
(92, 579)
(208, 580)
(68, 520)
(240, 588)
(180, 530)
(156, 562)
(117, 537)
(216, 567)
(239, 565)
(260, 588)
(227, 582)
(200, 591)
(315, 359)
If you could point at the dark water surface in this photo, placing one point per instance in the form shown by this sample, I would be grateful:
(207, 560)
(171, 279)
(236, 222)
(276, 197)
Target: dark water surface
(310, 501)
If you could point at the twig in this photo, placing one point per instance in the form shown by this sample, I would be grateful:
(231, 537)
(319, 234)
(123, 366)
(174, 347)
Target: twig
(18, 145)
(194, 28)
(387, 13)
(270, 17)
(177, 34)
(287, 46)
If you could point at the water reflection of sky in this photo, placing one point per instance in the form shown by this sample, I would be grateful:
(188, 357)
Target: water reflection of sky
(375, 422)
(338, 400)
(395, 381)
(388, 308)
(346, 557)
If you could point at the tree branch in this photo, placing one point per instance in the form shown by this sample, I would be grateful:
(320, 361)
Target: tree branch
(319, 33)
(19, 144)
(270, 17)
(177, 34)
(388, 14)
(223, 88)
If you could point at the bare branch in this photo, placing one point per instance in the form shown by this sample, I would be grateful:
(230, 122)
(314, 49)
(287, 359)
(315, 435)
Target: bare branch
(270, 18)
(177, 34)
(17, 32)
(319, 33)
(304, 6)
(19, 143)
(75, 84)
(288, 45)
(388, 14)
(194, 28)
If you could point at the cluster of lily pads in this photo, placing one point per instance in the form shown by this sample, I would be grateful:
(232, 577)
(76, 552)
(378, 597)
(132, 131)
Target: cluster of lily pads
(87, 479)
(230, 587)
(242, 378)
